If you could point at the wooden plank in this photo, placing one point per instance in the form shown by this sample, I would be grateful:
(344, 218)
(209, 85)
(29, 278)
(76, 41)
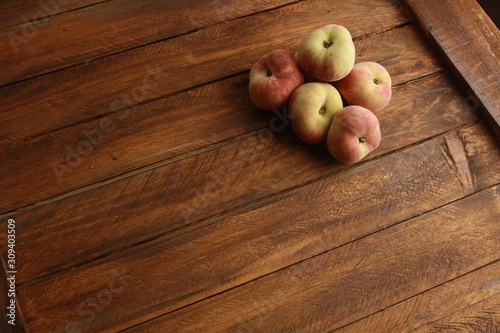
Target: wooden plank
(347, 283)
(463, 298)
(205, 259)
(470, 42)
(480, 317)
(33, 49)
(126, 141)
(148, 133)
(242, 230)
(95, 89)
(186, 190)
(14, 12)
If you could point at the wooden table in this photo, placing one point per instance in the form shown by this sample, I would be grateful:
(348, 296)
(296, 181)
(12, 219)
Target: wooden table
(147, 193)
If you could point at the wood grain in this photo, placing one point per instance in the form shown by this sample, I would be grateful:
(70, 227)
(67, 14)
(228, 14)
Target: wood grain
(128, 211)
(470, 42)
(14, 12)
(150, 195)
(92, 152)
(282, 231)
(427, 312)
(32, 49)
(478, 317)
(95, 89)
(144, 134)
(354, 280)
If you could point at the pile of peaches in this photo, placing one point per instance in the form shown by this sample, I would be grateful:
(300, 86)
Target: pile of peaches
(315, 82)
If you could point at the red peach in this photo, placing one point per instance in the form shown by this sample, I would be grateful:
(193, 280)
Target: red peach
(353, 134)
(273, 78)
(368, 85)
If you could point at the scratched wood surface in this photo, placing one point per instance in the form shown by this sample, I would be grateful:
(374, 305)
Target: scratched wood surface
(464, 33)
(149, 195)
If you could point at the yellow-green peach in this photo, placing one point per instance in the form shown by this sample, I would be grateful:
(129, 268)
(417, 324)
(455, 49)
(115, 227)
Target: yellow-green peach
(312, 107)
(327, 53)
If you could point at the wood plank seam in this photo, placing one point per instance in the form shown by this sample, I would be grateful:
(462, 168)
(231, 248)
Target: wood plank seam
(177, 92)
(115, 54)
(382, 31)
(44, 7)
(135, 172)
(152, 166)
(139, 46)
(136, 104)
(437, 135)
(99, 105)
(253, 205)
(420, 294)
(206, 149)
(418, 79)
(106, 55)
(457, 40)
(150, 100)
(47, 12)
(346, 245)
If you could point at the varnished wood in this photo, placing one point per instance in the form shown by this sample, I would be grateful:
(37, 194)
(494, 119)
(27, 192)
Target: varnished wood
(230, 251)
(479, 316)
(84, 154)
(14, 12)
(354, 280)
(467, 300)
(470, 42)
(108, 27)
(97, 88)
(220, 179)
(150, 195)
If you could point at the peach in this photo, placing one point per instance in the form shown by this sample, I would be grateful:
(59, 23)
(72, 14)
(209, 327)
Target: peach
(312, 107)
(327, 53)
(273, 78)
(353, 134)
(367, 85)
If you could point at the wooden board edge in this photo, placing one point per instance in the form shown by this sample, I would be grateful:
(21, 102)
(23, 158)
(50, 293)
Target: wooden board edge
(462, 69)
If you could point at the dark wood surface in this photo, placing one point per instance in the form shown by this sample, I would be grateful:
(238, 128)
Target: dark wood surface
(470, 42)
(150, 195)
